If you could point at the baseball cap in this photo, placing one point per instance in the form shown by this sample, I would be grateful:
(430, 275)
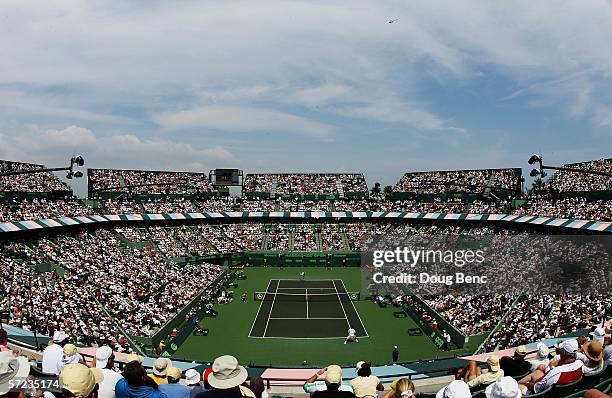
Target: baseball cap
(333, 374)
(134, 357)
(359, 365)
(79, 379)
(103, 354)
(70, 349)
(456, 389)
(599, 334)
(493, 362)
(192, 376)
(506, 387)
(174, 373)
(570, 346)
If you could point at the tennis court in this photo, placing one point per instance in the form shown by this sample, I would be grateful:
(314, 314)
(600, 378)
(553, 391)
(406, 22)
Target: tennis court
(306, 309)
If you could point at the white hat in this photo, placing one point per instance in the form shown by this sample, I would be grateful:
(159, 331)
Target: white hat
(543, 350)
(456, 389)
(103, 354)
(59, 336)
(227, 373)
(506, 387)
(160, 366)
(570, 346)
(599, 334)
(11, 367)
(192, 376)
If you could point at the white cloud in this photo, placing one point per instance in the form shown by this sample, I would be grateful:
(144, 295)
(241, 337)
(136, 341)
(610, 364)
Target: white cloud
(243, 119)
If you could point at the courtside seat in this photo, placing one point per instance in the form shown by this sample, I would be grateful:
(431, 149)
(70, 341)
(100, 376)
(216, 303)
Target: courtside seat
(521, 376)
(590, 380)
(605, 386)
(578, 394)
(561, 390)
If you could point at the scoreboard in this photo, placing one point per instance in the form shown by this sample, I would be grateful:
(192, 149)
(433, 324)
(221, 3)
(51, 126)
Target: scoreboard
(227, 177)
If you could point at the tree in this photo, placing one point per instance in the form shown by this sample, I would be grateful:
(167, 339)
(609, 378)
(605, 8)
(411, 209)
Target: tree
(388, 192)
(375, 192)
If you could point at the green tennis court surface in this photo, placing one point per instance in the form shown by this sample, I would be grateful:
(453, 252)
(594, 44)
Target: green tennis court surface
(230, 330)
(307, 309)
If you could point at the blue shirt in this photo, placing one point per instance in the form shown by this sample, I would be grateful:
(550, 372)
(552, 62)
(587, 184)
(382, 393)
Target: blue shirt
(124, 390)
(175, 390)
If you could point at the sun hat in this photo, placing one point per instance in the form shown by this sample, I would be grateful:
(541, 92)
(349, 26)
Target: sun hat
(570, 346)
(456, 389)
(11, 367)
(599, 334)
(333, 375)
(160, 366)
(174, 373)
(543, 350)
(192, 376)
(593, 350)
(493, 363)
(521, 350)
(103, 354)
(134, 357)
(70, 350)
(226, 373)
(506, 387)
(79, 379)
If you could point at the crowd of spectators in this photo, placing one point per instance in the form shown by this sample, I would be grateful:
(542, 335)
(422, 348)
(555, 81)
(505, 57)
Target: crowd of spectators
(574, 207)
(567, 181)
(36, 209)
(307, 183)
(148, 182)
(42, 182)
(465, 181)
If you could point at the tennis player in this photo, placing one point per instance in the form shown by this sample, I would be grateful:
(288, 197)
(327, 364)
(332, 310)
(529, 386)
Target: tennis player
(302, 275)
(352, 336)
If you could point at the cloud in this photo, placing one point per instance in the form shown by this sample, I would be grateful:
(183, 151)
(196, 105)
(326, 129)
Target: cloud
(55, 146)
(242, 119)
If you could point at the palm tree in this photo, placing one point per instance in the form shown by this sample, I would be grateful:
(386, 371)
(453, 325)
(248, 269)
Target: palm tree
(375, 192)
(388, 192)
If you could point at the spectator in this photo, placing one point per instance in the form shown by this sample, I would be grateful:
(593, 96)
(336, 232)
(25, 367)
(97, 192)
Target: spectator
(173, 389)
(456, 389)
(79, 381)
(192, 378)
(567, 370)
(541, 357)
(332, 387)
(402, 388)
(160, 368)
(365, 384)
(11, 367)
(599, 334)
(257, 386)
(134, 383)
(134, 357)
(4, 341)
(506, 387)
(395, 354)
(516, 365)
(593, 353)
(105, 361)
(474, 377)
(70, 355)
(54, 353)
(225, 379)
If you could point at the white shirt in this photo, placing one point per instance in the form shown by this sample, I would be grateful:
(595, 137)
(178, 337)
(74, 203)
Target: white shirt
(352, 332)
(51, 356)
(107, 387)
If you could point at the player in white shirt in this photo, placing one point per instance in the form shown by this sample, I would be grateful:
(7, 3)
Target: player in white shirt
(352, 336)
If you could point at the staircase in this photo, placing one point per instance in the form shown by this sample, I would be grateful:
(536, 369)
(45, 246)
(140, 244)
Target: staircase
(340, 189)
(273, 189)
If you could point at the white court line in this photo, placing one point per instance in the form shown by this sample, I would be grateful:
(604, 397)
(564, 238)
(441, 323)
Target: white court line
(354, 309)
(310, 319)
(306, 303)
(341, 305)
(260, 304)
(271, 309)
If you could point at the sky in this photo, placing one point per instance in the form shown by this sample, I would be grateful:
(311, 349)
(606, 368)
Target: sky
(282, 86)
